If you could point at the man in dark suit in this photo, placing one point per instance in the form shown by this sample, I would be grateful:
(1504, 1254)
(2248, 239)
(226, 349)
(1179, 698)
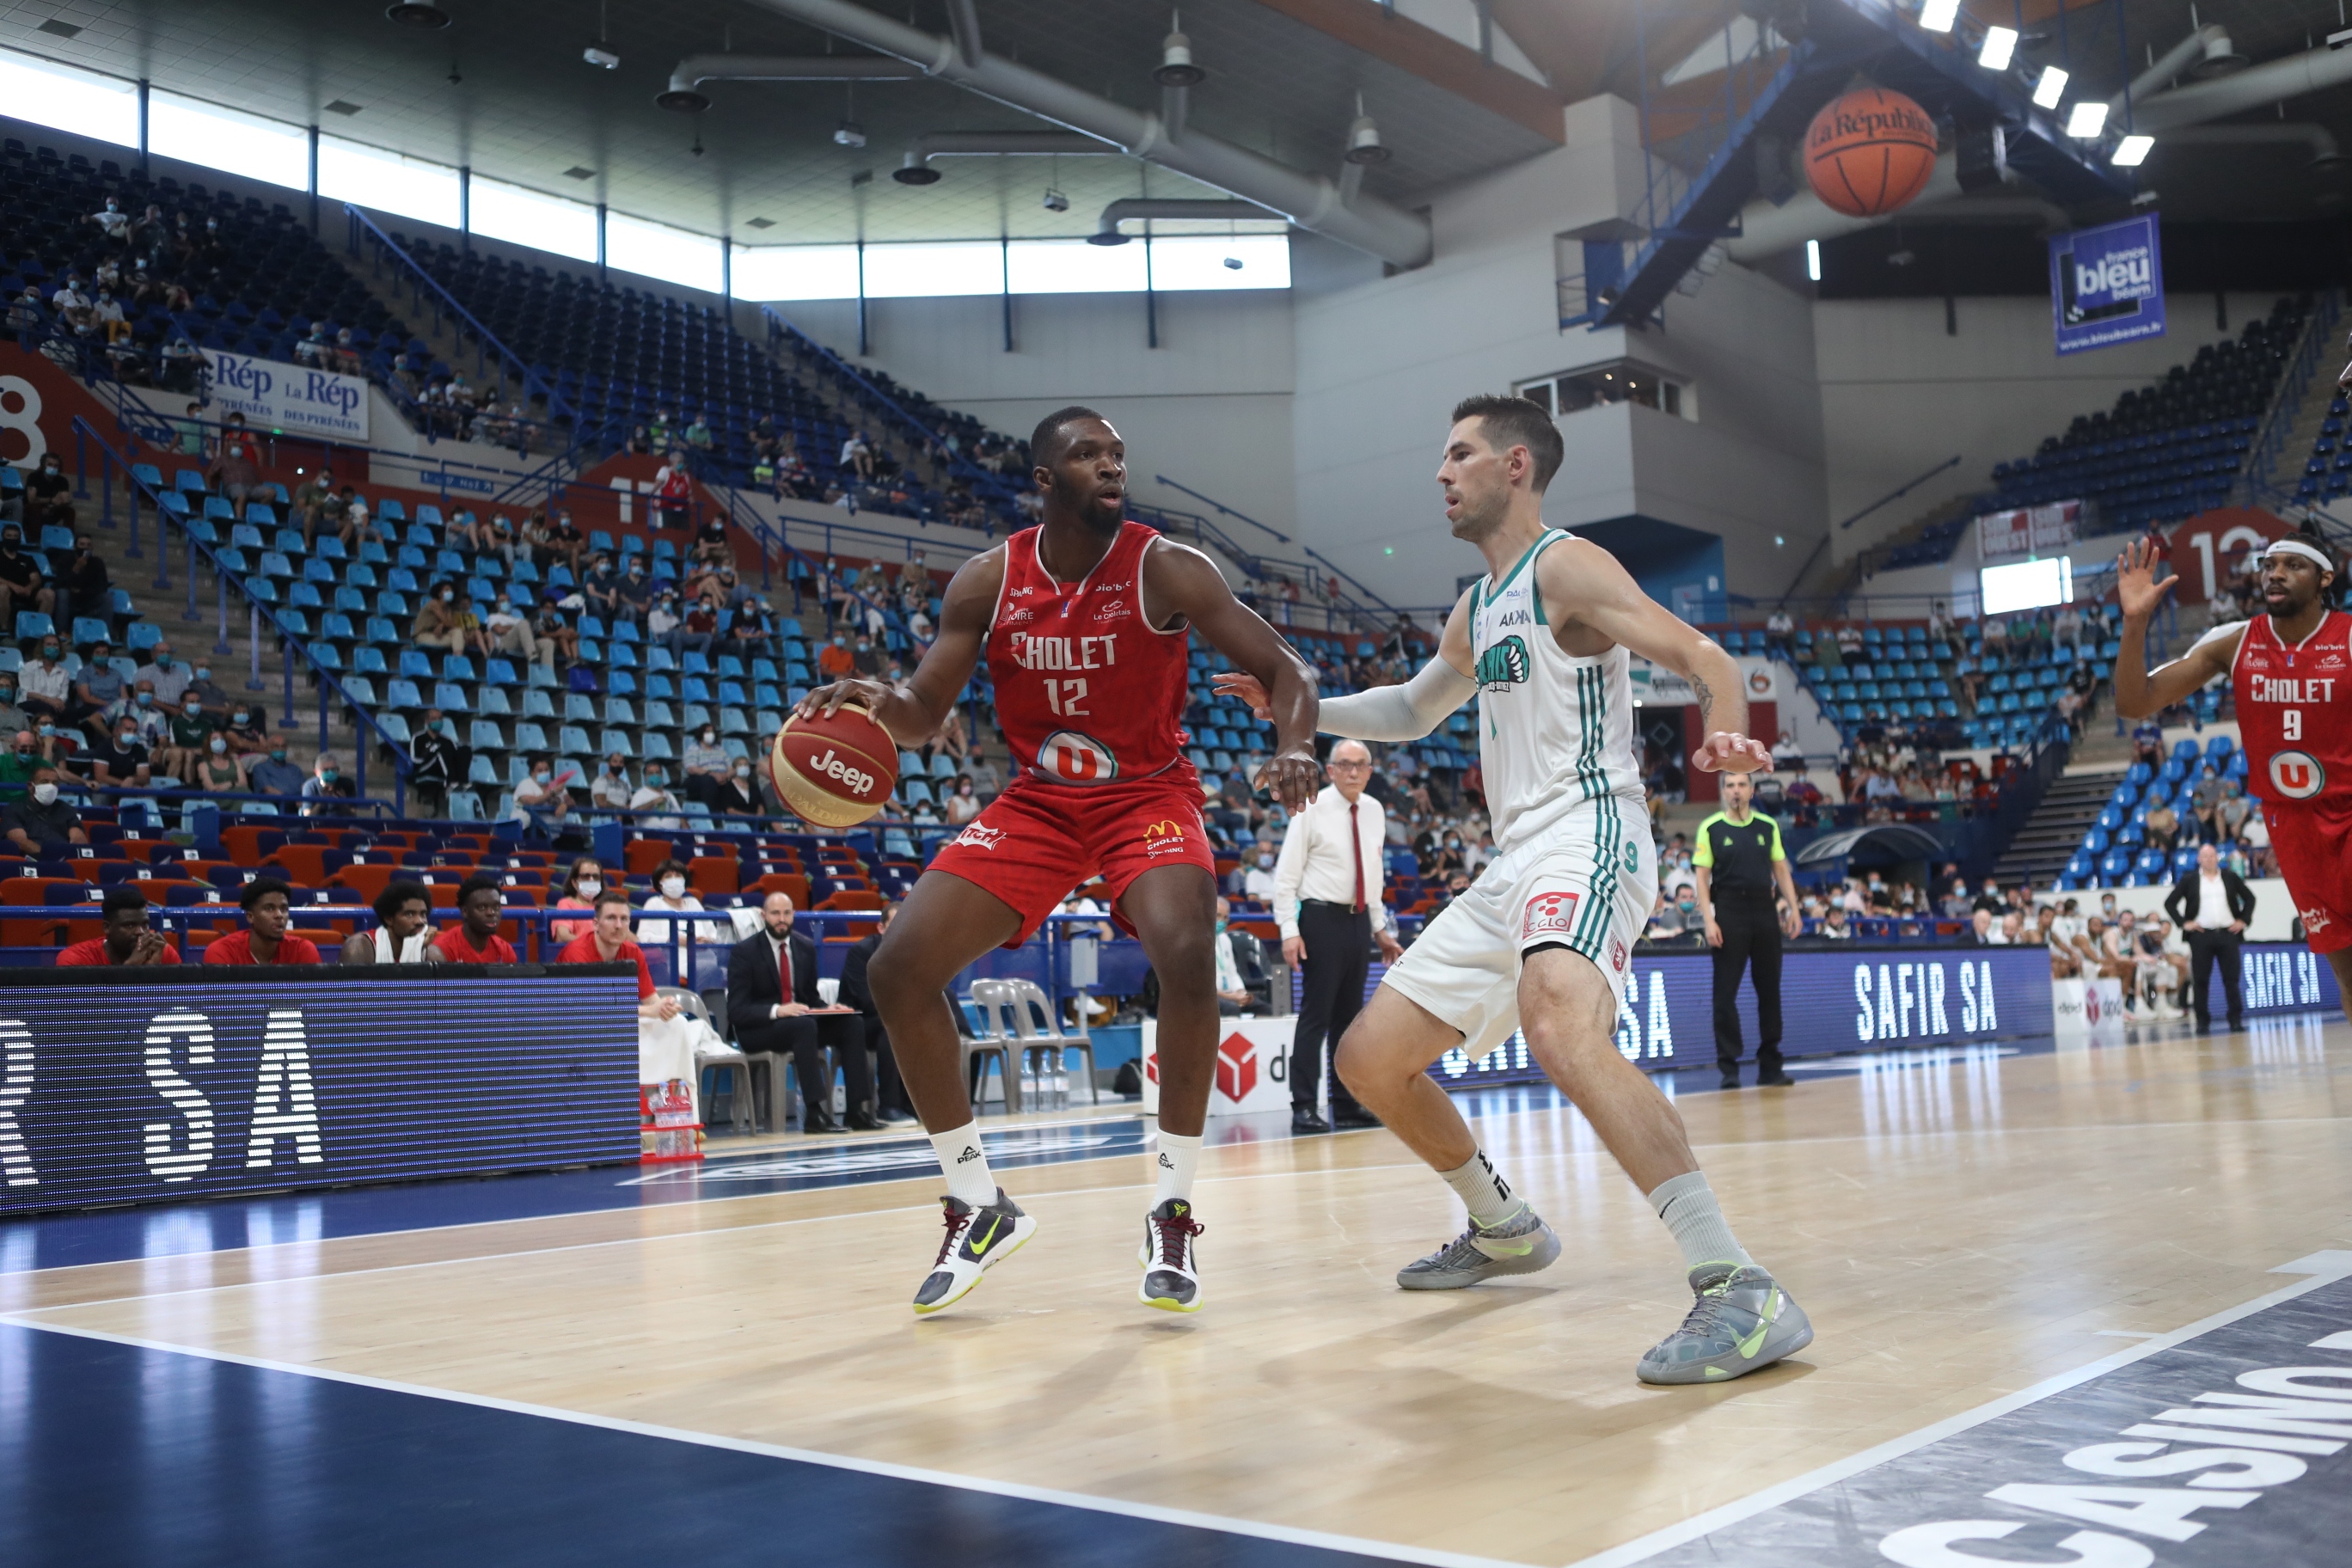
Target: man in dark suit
(2212, 905)
(772, 1002)
(894, 1105)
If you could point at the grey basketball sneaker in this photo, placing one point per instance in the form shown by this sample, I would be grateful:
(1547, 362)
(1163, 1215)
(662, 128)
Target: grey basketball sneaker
(977, 1240)
(1519, 1244)
(1742, 1320)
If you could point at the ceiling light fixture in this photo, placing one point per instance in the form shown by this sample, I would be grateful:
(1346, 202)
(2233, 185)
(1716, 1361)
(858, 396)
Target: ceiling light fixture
(2132, 152)
(1176, 67)
(2051, 89)
(2090, 118)
(1938, 15)
(915, 172)
(600, 51)
(1999, 44)
(1364, 146)
(421, 15)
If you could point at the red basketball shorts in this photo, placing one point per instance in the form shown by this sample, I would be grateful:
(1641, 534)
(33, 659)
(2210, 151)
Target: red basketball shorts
(1037, 841)
(2315, 856)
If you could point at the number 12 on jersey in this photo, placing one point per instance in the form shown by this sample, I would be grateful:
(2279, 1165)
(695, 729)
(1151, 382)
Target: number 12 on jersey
(1067, 699)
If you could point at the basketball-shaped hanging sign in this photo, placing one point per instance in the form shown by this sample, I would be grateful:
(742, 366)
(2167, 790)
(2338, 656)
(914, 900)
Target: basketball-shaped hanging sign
(1870, 152)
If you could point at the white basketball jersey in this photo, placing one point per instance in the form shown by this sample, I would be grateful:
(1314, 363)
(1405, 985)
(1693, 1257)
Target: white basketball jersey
(1555, 731)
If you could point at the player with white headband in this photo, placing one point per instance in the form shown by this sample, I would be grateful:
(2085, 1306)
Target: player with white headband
(2291, 671)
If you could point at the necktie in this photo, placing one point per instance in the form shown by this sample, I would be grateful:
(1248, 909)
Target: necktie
(785, 969)
(1356, 849)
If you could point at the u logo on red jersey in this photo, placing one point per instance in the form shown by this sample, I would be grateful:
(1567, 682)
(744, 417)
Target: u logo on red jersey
(2297, 775)
(1068, 757)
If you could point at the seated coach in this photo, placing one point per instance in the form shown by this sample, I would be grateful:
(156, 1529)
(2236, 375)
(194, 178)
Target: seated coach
(268, 906)
(772, 1000)
(129, 942)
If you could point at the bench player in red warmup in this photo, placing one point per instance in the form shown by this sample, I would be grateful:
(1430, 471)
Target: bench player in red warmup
(2291, 671)
(1083, 621)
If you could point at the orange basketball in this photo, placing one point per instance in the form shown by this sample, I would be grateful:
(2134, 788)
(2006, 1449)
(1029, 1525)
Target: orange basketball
(1870, 152)
(836, 772)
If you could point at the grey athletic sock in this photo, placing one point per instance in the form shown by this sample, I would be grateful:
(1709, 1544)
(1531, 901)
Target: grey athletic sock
(1482, 1190)
(1687, 1205)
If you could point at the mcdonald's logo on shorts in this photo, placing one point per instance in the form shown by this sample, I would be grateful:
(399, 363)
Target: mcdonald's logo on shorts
(1163, 838)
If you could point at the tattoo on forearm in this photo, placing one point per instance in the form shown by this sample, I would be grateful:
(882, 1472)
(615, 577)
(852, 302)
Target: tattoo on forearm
(1706, 697)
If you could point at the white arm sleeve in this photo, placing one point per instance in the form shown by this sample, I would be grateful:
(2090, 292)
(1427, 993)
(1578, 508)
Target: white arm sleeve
(1405, 712)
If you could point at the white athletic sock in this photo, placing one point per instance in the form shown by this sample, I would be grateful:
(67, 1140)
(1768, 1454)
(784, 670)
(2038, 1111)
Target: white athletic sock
(966, 1164)
(1179, 1157)
(1687, 1205)
(1482, 1190)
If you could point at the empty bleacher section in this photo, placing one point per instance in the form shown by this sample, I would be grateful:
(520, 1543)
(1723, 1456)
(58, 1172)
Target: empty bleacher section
(2164, 452)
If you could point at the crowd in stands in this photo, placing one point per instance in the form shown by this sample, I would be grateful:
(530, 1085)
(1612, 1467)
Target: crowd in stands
(116, 275)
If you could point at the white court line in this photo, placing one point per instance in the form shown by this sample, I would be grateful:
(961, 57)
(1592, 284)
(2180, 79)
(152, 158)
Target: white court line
(1286, 1533)
(2324, 1268)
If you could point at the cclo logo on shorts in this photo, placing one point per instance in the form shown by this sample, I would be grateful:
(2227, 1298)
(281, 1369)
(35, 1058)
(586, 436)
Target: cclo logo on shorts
(980, 838)
(2315, 920)
(1068, 757)
(2297, 774)
(1549, 914)
(1616, 953)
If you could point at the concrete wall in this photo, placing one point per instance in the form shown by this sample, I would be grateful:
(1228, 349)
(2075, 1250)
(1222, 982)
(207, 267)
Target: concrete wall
(1898, 395)
(1209, 408)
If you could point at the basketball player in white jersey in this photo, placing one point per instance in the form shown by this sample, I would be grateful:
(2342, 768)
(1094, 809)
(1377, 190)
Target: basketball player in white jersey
(1542, 941)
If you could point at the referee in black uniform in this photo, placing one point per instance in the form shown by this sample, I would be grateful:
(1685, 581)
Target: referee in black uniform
(1740, 862)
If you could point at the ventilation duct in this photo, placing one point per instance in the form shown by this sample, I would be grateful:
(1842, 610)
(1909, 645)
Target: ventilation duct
(685, 94)
(1106, 226)
(1310, 201)
(916, 169)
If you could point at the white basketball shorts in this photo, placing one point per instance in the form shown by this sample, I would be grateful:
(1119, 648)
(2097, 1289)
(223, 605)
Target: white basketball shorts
(1587, 882)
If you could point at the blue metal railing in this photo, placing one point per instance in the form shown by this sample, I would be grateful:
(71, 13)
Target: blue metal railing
(289, 643)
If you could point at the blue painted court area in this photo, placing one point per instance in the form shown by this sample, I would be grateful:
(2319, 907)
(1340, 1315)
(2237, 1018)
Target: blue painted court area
(117, 1453)
(2222, 1446)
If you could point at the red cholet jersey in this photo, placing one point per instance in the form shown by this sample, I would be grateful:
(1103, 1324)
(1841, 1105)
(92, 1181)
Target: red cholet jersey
(1088, 691)
(2295, 712)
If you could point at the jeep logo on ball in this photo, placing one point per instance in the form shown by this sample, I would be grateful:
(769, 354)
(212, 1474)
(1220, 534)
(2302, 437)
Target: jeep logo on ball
(830, 766)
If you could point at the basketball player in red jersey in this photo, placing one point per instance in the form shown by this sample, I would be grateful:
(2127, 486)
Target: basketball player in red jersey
(2291, 671)
(1083, 621)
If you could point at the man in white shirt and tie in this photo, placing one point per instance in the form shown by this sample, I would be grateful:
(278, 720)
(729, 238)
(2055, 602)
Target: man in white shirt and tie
(1327, 904)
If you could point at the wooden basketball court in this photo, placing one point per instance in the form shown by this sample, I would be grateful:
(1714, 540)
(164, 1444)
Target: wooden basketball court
(1963, 1226)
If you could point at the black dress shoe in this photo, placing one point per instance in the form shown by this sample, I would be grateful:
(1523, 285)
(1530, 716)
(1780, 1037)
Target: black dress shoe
(894, 1116)
(1306, 1119)
(820, 1122)
(1349, 1117)
(1773, 1077)
(859, 1122)
(1731, 1079)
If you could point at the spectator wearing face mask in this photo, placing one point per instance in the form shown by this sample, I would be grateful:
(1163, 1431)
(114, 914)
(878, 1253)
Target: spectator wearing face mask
(187, 741)
(704, 762)
(44, 687)
(866, 658)
(19, 763)
(439, 762)
(671, 896)
(325, 787)
(24, 585)
(273, 774)
(696, 630)
(41, 826)
(48, 498)
(737, 794)
(246, 743)
(152, 720)
(1257, 878)
(654, 802)
(508, 631)
(834, 661)
(120, 759)
(583, 881)
(1835, 926)
(611, 788)
(544, 796)
(236, 471)
(214, 770)
(437, 625)
(214, 702)
(964, 804)
(165, 675)
(12, 717)
(637, 592)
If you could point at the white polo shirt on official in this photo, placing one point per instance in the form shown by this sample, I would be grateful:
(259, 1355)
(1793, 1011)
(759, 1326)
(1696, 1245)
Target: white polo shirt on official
(1315, 862)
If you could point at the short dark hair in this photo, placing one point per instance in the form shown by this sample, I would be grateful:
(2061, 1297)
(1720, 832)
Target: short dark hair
(1046, 442)
(261, 888)
(1509, 422)
(123, 896)
(612, 896)
(395, 894)
(476, 883)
